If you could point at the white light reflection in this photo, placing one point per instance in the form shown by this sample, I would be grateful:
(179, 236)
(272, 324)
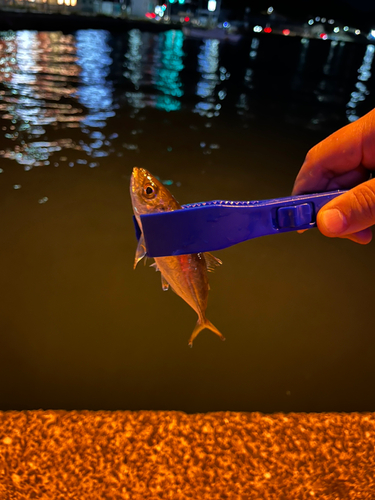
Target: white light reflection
(28, 47)
(208, 65)
(95, 92)
(327, 89)
(327, 66)
(254, 48)
(23, 82)
(133, 58)
(242, 105)
(297, 81)
(359, 95)
(139, 60)
(249, 71)
(305, 42)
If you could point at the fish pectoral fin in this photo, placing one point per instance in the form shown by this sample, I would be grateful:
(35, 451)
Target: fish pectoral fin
(203, 323)
(155, 266)
(164, 284)
(141, 251)
(211, 262)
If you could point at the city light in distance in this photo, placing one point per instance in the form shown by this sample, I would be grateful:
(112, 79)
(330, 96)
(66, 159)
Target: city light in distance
(159, 10)
(269, 10)
(257, 28)
(323, 36)
(336, 29)
(211, 5)
(286, 32)
(267, 29)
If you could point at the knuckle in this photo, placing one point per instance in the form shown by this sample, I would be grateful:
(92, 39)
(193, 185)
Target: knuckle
(364, 201)
(313, 161)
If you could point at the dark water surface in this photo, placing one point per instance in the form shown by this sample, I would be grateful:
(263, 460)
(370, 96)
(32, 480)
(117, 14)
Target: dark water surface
(80, 328)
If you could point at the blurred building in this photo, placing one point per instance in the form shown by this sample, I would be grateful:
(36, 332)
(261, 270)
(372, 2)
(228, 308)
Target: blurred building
(39, 5)
(201, 12)
(106, 7)
(139, 8)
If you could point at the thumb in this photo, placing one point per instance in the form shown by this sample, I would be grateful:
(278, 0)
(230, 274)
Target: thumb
(350, 215)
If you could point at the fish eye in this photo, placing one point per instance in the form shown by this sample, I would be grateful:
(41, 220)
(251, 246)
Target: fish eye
(149, 191)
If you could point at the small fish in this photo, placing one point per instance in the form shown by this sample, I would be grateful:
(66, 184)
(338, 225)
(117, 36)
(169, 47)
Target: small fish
(185, 274)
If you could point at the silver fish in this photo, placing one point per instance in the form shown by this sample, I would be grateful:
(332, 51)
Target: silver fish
(185, 274)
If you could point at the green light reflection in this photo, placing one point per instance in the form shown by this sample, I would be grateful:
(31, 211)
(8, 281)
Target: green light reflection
(167, 71)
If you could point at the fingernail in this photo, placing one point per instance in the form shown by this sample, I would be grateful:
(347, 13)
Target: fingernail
(334, 221)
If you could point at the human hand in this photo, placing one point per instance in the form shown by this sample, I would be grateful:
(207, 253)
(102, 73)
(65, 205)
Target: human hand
(344, 160)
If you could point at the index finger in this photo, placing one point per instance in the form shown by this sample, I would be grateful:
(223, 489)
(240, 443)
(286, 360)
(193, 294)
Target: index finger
(342, 160)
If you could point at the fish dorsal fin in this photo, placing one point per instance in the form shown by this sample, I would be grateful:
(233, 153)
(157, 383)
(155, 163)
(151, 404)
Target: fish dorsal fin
(141, 250)
(164, 284)
(211, 262)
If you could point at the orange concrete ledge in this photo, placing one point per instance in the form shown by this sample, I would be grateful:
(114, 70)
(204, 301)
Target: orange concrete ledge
(172, 455)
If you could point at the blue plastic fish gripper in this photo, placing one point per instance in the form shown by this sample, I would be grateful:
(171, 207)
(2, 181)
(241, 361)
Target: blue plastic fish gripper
(214, 225)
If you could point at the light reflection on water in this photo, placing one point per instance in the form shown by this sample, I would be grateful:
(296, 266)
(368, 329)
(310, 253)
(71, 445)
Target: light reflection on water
(94, 91)
(359, 95)
(54, 81)
(208, 65)
(38, 76)
(168, 65)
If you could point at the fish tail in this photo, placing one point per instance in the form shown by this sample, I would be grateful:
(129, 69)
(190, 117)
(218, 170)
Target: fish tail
(203, 323)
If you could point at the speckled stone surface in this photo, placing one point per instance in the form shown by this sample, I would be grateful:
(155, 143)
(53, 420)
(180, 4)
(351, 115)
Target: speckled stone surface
(172, 455)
